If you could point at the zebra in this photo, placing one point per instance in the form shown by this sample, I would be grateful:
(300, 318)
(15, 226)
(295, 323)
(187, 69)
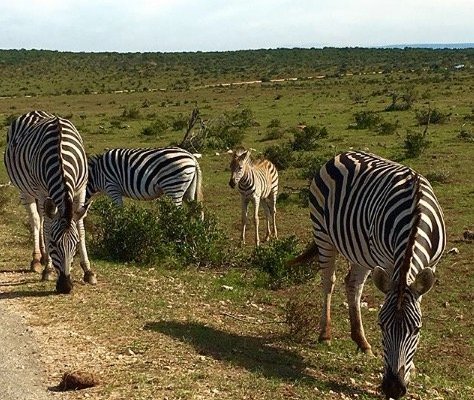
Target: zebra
(145, 174)
(255, 181)
(46, 161)
(385, 219)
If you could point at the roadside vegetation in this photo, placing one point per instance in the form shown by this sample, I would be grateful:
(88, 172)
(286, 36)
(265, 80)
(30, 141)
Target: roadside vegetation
(181, 310)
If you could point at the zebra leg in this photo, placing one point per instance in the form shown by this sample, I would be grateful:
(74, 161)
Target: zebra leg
(272, 207)
(35, 223)
(89, 275)
(267, 219)
(256, 203)
(245, 204)
(327, 262)
(48, 271)
(354, 282)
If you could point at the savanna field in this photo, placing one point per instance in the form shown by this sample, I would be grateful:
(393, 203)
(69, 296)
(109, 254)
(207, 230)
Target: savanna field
(229, 322)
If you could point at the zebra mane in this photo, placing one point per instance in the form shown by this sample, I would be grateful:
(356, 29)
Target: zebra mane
(67, 200)
(405, 267)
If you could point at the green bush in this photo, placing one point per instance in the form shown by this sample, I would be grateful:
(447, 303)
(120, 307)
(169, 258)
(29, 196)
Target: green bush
(274, 134)
(271, 261)
(432, 116)
(154, 129)
(280, 155)
(365, 120)
(311, 166)
(387, 128)
(415, 144)
(307, 138)
(161, 232)
(179, 123)
(131, 112)
(441, 176)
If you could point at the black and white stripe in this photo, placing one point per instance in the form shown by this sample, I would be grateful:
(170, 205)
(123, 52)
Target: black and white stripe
(383, 217)
(255, 181)
(145, 174)
(45, 159)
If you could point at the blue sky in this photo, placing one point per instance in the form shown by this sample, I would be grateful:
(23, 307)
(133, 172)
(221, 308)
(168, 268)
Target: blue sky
(208, 25)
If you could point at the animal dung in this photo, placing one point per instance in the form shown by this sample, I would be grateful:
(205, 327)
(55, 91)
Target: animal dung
(468, 235)
(77, 380)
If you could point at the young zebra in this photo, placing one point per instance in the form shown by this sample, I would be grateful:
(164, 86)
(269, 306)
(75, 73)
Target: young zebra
(256, 181)
(45, 159)
(383, 217)
(145, 174)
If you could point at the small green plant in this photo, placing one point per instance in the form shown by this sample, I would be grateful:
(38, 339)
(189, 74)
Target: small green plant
(280, 155)
(466, 135)
(154, 129)
(312, 166)
(387, 128)
(442, 176)
(307, 139)
(274, 134)
(434, 116)
(415, 144)
(271, 260)
(365, 120)
(131, 112)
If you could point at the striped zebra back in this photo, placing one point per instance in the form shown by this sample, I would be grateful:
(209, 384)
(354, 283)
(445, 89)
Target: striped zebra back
(364, 205)
(45, 157)
(145, 174)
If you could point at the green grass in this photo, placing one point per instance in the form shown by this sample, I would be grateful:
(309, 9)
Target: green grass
(192, 337)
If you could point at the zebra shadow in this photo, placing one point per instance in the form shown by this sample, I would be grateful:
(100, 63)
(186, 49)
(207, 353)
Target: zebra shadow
(249, 352)
(15, 294)
(254, 354)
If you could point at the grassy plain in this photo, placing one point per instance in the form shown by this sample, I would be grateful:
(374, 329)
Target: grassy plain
(161, 333)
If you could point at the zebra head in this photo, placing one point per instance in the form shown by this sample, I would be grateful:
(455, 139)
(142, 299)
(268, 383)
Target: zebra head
(238, 165)
(63, 239)
(93, 177)
(400, 322)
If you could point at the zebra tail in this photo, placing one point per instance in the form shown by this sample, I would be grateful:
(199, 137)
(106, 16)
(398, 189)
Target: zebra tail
(198, 193)
(306, 257)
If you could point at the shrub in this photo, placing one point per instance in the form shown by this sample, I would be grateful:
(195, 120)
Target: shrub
(431, 116)
(402, 102)
(387, 128)
(442, 176)
(466, 135)
(312, 166)
(179, 122)
(271, 261)
(280, 155)
(154, 129)
(142, 235)
(307, 138)
(302, 314)
(131, 112)
(274, 134)
(274, 123)
(415, 144)
(365, 120)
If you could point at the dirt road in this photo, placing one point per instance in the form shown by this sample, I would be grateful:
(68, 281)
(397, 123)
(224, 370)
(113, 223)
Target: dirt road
(20, 368)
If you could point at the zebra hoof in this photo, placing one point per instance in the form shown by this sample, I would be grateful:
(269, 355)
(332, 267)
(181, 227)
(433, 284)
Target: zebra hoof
(90, 277)
(368, 352)
(36, 266)
(64, 284)
(48, 275)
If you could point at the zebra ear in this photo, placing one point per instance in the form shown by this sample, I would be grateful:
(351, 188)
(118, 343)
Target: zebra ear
(424, 281)
(381, 279)
(50, 208)
(244, 156)
(82, 212)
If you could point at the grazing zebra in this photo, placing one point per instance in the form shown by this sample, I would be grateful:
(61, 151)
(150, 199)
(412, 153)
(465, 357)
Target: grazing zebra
(45, 159)
(383, 217)
(256, 181)
(145, 174)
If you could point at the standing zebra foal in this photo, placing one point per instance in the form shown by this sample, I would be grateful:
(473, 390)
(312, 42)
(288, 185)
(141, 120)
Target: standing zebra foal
(145, 174)
(255, 181)
(383, 217)
(45, 159)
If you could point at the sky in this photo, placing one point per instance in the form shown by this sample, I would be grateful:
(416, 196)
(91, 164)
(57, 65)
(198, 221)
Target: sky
(221, 25)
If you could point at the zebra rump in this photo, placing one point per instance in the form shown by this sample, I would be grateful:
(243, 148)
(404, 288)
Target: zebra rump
(145, 174)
